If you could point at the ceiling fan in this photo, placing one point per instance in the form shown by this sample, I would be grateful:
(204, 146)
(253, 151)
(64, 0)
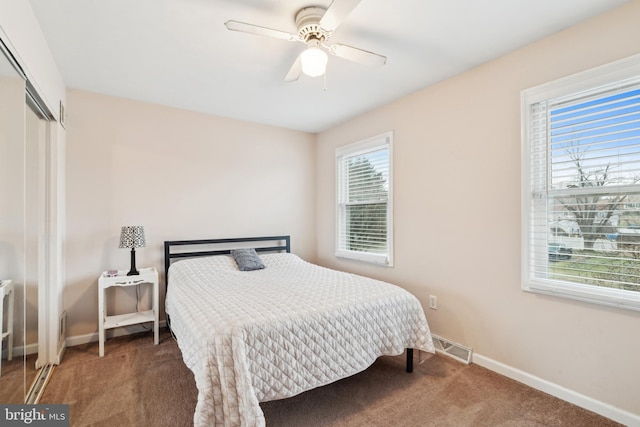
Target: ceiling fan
(315, 26)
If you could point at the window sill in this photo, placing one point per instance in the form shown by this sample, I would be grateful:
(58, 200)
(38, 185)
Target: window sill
(370, 258)
(610, 297)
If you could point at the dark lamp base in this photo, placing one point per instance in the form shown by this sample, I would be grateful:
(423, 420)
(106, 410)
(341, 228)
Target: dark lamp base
(133, 271)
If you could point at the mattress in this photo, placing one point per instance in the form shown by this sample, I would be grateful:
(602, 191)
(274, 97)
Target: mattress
(250, 337)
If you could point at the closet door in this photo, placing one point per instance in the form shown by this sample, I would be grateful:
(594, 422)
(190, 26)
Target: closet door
(13, 380)
(35, 153)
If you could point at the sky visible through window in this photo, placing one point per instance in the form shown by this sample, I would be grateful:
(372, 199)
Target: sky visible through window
(603, 134)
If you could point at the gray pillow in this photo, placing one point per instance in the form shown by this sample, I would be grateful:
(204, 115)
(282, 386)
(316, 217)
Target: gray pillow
(247, 259)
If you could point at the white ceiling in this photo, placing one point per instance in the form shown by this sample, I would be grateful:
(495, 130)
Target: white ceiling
(179, 53)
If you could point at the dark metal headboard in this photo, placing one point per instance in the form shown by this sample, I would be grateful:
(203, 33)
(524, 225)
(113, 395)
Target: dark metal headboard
(169, 255)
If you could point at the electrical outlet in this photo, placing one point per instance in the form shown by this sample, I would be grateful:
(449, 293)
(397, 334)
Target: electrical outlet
(433, 302)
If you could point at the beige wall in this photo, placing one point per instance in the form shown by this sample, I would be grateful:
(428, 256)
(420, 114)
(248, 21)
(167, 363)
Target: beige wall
(182, 175)
(457, 217)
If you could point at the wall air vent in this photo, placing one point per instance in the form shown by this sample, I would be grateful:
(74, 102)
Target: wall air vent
(449, 348)
(63, 327)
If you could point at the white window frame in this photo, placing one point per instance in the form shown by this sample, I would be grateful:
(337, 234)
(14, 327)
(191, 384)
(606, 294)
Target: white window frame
(374, 143)
(584, 82)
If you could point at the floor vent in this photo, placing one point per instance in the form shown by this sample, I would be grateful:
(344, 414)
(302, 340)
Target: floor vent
(452, 349)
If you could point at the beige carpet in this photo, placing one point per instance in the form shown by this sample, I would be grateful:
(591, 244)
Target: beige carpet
(139, 384)
(17, 377)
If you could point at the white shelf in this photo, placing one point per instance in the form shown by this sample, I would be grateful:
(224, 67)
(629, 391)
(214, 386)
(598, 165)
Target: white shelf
(129, 319)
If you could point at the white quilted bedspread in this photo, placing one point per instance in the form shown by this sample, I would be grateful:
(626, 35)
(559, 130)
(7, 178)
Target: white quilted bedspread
(268, 334)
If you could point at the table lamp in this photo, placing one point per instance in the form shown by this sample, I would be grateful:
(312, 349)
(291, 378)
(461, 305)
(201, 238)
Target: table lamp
(132, 236)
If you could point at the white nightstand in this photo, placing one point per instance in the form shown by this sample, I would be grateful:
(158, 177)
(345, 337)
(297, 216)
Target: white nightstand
(148, 276)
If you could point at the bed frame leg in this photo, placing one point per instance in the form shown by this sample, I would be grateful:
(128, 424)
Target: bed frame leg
(169, 326)
(409, 360)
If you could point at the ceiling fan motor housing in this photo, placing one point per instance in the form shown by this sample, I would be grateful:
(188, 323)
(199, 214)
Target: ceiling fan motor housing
(308, 24)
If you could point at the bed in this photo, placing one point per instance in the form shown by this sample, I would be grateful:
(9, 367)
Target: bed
(274, 332)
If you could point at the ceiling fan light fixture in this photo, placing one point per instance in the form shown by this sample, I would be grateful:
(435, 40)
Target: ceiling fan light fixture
(314, 61)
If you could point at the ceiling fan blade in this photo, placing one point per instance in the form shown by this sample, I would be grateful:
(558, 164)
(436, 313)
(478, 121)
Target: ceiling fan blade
(295, 71)
(338, 10)
(357, 55)
(261, 31)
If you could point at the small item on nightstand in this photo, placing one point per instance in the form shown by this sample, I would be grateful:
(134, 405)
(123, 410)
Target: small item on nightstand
(111, 273)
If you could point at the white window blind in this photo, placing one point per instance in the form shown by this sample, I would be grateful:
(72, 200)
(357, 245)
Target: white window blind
(581, 194)
(364, 186)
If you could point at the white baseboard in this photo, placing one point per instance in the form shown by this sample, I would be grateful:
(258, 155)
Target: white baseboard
(112, 333)
(61, 350)
(619, 415)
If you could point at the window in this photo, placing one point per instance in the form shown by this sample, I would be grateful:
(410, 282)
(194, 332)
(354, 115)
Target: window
(364, 200)
(581, 186)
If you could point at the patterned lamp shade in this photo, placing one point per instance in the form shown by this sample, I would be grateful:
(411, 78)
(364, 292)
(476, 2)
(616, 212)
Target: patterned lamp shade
(132, 236)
